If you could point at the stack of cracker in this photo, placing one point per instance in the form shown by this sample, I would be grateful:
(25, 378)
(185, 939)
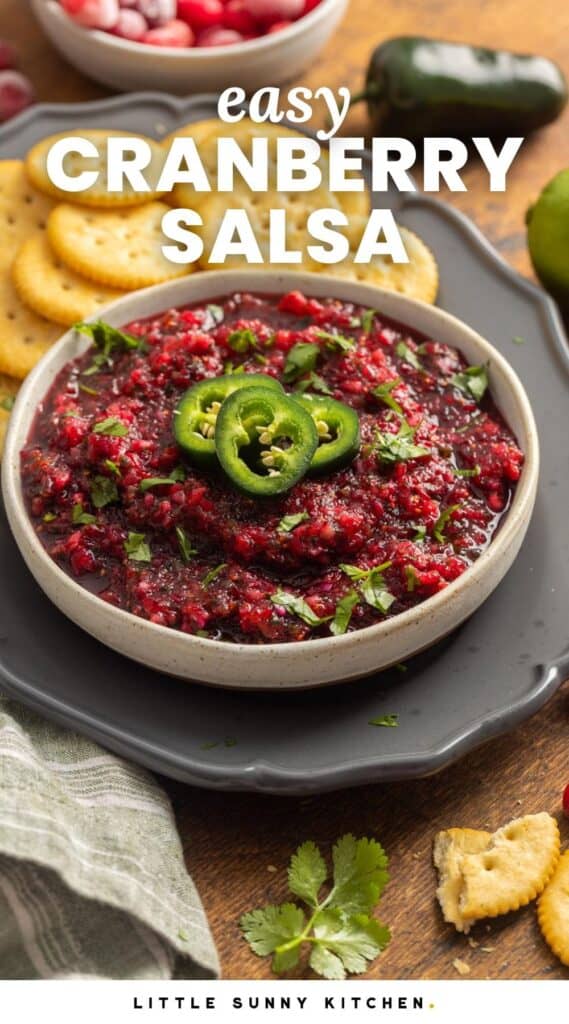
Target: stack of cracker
(68, 255)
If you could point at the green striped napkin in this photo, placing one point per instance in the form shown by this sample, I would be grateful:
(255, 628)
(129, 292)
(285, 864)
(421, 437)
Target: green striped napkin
(92, 876)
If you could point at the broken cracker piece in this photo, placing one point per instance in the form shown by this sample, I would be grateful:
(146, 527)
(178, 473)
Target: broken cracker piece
(553, 910)
(449, 849)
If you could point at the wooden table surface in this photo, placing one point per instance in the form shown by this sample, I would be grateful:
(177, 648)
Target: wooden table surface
(233, 843)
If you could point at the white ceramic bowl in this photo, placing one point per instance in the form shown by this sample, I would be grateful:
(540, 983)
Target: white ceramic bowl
(289, 665)
(127, 66)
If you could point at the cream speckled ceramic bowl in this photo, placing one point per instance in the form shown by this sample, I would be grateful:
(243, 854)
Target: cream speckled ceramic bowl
(289, 665)
(274, 58)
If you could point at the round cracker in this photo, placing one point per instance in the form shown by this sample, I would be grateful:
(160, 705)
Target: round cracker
(257, 207)
(23, 210)
(196, 130)
(24, 337)
(354, 204)
(418, 279)
(553, 910)
(8, 391)
(97, 194)
(52, 290)
(121, 249)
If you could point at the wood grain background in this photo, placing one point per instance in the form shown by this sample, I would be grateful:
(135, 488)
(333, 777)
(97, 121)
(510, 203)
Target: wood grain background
(233, 844)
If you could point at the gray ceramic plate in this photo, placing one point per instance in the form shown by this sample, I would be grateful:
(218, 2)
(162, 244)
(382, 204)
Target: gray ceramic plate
(496, 670)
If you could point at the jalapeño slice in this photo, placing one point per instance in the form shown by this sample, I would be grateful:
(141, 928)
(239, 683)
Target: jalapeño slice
(196, 414)
(338, 429)
(264, 441)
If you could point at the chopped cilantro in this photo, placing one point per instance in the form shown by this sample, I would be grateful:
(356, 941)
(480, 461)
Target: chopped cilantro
(387, 721)
(108, 340)
(338, 924)
(7, 403)
(88, 391)
(103, 491)
(49, 517)
(178, 475)
(289, 523)
(336, 342)
(440, 525)
(137, 548)
(213, 574)
(420, 534)
(372, 585)
(184, 544)
(475, 471)
(412, 578)
(81, 518)
(367, 320)
(399, 447)
(314, 382)
(242, 340)
(112, 467)
(383, 392)
(301, 359)
(473, 381)
(343, 613)
(112, 426)
(408, 354)
(297, 606)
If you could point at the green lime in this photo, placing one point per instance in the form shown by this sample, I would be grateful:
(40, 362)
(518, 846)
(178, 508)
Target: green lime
(548, 237)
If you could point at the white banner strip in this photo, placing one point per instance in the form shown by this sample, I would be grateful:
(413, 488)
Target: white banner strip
(293, 1002)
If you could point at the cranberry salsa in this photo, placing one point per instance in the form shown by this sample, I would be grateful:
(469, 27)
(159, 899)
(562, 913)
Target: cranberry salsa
(359, 470)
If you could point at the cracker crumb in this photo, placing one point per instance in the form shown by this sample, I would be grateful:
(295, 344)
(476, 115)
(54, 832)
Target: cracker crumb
(460, 967)
(472, 943)
(487, 949)
(271, 868)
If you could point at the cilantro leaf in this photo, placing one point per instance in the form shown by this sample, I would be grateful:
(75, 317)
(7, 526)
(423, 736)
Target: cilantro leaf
(7, 403)
(360, 874)
(367, 320)
(112, 427)
(420, 534)
(213, 574)
(439, 527)
(301, 359)
(81, 518)
(270, 927)
(399, 447)
(466, 473)
(184, 544)
(336, 342)
(314, 382)
(112, 467)
(408, 355)
(177, 475)
(412, 578)
(346, 946)
(49, 517)
(103, 491)
(137, 548)
(108, 340)
(383, 392)
(388, 721)
(289, 523)
(473, 381)
(372, 584)
(307, 873)
(343, 938)
(242, 340)
(297, 606)
(343, 613)
(88, 391)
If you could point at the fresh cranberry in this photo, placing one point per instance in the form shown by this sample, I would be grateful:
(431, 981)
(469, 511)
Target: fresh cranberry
(270, 11)
(219, 37)
(131, 25)
(8, 58)
(16, 93)
(237, 17)
(200, 14)
(157, 12)
(309, 5)
(176, 33)
(102, 14)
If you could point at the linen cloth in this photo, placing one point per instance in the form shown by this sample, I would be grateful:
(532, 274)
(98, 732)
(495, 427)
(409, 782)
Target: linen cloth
(92, 875)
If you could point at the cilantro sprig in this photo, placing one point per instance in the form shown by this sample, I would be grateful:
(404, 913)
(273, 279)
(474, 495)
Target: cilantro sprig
(290, 522)
(111, 426)
(335, 924)
(109, 340)
(313, 382)
(399, 447)
(242, 340)
(372, 585)
(442, 521)
(408, 355)
(301, 359)
(178, 475)
(383, 392)
(336, 342)
(472, 382)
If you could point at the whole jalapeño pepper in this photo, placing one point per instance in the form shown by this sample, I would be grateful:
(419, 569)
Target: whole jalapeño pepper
(419, 87)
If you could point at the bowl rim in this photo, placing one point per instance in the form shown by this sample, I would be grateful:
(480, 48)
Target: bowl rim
(323, 285)
(195, 53)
